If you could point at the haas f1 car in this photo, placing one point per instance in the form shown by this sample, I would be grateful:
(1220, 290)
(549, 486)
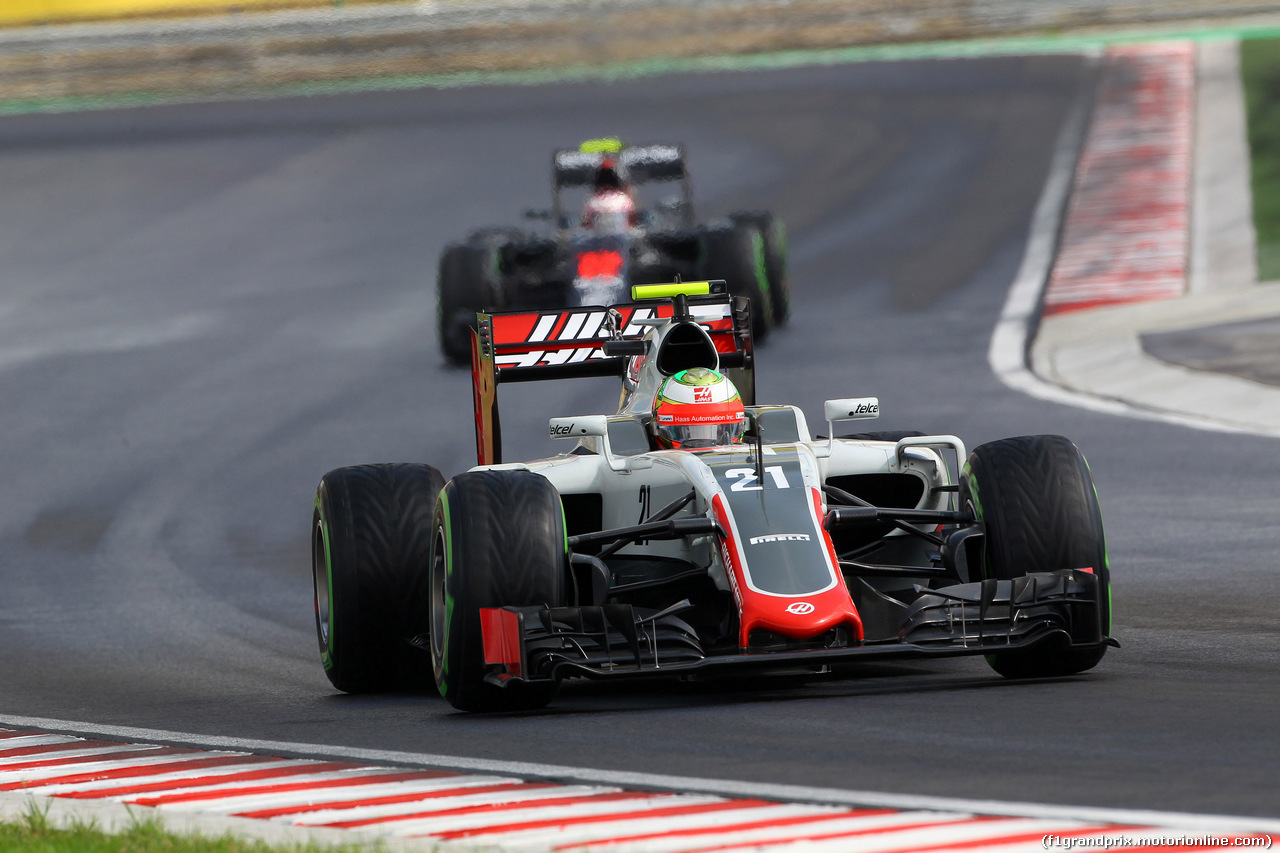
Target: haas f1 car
(619, 240)
(764, 549)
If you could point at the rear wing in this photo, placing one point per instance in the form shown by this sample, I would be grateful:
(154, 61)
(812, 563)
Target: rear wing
(637, 164)
(591, 341)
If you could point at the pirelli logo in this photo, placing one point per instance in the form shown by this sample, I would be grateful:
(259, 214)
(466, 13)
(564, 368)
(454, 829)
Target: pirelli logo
(779, 537)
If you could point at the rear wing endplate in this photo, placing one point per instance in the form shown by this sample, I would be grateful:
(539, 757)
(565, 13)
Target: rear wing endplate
(588, 341)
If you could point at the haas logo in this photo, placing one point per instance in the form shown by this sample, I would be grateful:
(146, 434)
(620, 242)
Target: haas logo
(800, 608)
(702, 394)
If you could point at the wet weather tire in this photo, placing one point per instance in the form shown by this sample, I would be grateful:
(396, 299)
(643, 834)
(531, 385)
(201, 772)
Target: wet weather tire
(498, 540)
(1036, 499)
(370, 540)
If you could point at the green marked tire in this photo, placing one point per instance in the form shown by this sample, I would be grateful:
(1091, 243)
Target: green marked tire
(773, 232)
(370, 538)
(1035, 497)
(737, 255)
(498, 540)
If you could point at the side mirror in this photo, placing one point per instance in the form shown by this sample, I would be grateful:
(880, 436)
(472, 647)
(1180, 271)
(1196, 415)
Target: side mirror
(848, 409)
(578, 427)
(852, 409)
(629, 434)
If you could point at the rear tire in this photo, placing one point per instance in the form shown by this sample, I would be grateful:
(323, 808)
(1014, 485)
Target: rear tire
(498, 540)
(736, 254)
(774, 233)
(370, 535)
(467, 282)
(1036, 499)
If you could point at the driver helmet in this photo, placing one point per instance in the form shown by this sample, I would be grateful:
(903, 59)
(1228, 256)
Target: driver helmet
(697, 407)
(610, 209)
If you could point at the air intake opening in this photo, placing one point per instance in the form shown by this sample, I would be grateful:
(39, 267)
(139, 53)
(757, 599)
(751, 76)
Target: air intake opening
(687, 345)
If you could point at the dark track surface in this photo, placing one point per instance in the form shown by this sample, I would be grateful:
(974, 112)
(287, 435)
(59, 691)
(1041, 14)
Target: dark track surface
(206, 307)
(1247, 349)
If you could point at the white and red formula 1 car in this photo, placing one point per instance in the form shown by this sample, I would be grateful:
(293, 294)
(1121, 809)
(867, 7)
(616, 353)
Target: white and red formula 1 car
(618, 559)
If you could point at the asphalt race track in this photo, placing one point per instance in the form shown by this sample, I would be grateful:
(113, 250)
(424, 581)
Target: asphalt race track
(203, 308)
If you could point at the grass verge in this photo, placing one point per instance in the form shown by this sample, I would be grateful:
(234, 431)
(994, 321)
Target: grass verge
(34, 832)
(1260, 70)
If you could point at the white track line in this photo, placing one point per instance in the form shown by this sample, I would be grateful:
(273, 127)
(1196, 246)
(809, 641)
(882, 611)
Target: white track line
(104, 787)
(1009, 351)
(282, 795)
(792, 793)
(66, 756)
(670, 835)
(92, 767)
(336, 802)
(26, 741)
(1014, 331)
(352, 811)
(446, 825)
(918, 838)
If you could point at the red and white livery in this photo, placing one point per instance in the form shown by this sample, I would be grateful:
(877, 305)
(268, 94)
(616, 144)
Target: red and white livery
(777, 550)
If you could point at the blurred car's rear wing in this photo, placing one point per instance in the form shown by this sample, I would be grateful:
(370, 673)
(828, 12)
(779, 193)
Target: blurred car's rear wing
(590, 341)
(637, 164)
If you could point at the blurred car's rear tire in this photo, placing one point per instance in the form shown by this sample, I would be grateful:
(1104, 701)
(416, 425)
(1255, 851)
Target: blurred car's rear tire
(1035, 497)
(467, 282)
(370, 536)
(773, 231)
(736, 254)
(498, 540)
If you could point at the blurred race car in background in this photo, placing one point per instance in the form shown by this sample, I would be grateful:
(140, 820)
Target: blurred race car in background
(695, 531)
(636, 227)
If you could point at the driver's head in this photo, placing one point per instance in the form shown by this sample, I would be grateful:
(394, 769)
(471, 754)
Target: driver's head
(697, 408)
(607, 177)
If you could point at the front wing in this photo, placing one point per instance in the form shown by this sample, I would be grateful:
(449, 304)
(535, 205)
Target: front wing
(621, 641)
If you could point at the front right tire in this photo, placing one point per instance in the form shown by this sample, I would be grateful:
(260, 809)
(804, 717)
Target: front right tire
(498, 540)
(1035, 497)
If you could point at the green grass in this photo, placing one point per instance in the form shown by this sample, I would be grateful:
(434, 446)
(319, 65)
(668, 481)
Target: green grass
(34, 832)
(1260, 69)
